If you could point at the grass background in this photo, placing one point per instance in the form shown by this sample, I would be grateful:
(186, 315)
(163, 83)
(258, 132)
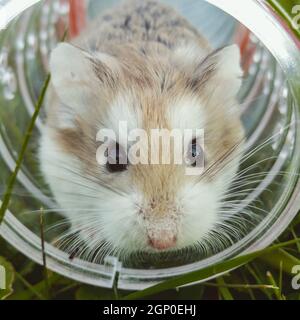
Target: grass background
(266, 275)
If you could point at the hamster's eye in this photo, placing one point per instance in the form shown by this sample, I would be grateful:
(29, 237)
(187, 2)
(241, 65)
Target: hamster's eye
(116, 158)
(195, 154)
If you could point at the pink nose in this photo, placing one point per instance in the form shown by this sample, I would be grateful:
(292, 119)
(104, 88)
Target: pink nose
(162, 243)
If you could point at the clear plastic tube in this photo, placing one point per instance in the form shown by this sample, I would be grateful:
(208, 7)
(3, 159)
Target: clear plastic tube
(270, 95)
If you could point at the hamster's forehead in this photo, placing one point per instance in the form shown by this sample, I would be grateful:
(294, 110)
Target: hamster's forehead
(152, 112)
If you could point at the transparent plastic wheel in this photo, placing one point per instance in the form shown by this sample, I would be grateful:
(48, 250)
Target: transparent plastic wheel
(270, 98)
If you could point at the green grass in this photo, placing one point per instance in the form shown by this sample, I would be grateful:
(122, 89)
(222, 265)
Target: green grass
(29, 131)
(262, 275)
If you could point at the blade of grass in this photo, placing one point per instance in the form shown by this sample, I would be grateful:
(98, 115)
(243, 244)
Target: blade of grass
(280, 278)
(241, 286)
(13, 177)
(205, 273)
(255, 271)
(273, 259)
(223, 289)
(115, 286)
(67, 288)
(30, 287)
(295, 236)
(29, 293)
(273, 283)
(250, 290)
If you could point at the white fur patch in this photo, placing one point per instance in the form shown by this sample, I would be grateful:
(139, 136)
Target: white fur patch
(122, 109)
(186, 113)
(200, 203)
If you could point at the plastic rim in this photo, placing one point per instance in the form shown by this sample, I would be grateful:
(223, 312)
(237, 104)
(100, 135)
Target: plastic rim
(286, 53)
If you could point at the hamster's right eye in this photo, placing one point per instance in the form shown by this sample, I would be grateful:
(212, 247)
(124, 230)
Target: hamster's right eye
(195, 154)
(116, 158)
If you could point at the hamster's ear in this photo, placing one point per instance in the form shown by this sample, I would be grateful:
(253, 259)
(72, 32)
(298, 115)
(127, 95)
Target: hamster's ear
(71, 72)
(220, 72)
(76, 74)
(228, 68)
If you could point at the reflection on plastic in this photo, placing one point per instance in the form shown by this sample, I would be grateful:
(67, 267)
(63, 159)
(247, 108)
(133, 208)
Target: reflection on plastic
(11, 9)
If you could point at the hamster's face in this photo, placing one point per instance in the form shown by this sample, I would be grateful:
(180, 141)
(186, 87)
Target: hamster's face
(123, 206)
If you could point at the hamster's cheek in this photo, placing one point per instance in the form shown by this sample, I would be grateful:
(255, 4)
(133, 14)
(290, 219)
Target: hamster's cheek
(121, 224)
(200, 211)
(61, 172)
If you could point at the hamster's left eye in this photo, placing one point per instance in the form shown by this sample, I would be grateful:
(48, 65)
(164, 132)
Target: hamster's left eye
(116, 158)
(195, 154)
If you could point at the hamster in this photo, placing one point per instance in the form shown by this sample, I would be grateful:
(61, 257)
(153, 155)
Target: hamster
(142, 63)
